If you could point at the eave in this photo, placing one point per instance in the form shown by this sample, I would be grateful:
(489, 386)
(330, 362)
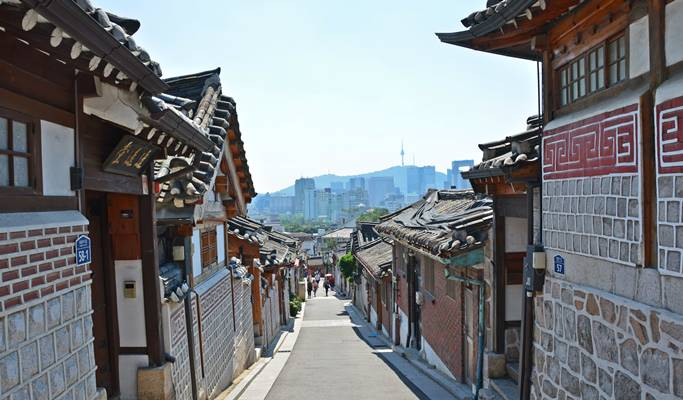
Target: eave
(69, 17)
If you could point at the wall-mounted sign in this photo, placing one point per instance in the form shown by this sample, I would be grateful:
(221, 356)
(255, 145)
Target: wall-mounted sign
(129, 157)
(559, 265)
(83, 251)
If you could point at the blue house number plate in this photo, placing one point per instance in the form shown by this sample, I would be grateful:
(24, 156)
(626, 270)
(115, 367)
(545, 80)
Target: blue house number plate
(559, 265)
(83, 251)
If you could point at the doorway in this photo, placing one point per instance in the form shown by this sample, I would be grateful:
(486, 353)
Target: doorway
(105, 329)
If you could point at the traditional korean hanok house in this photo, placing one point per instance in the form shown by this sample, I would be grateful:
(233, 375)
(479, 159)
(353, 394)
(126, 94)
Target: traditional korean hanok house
(269, 257)
(509, 174)
(363, 234)
(375, 259)
(82, 116)
(609, 320)
(438, 253)
(207, 302)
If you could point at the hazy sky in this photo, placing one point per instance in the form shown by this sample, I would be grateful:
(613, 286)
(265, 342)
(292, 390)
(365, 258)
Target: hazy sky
(330, 86)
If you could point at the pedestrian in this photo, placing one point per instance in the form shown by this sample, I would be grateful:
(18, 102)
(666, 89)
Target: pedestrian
(327, 288)
(309, 288)
(315, 288)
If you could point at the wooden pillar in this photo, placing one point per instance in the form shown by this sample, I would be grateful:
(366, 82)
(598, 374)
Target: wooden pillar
(150, 273)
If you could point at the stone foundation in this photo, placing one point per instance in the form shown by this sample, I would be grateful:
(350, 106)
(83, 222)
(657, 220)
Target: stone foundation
(590, 344)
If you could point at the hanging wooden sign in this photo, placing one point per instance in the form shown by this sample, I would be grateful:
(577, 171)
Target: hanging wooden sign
(130, 156)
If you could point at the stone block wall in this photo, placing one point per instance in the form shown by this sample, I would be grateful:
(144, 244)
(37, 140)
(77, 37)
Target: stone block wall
(244, 328)
(46, 338)
(180, 371)
(669, 116)
(594, 216)
(591, 186)
(591, 344)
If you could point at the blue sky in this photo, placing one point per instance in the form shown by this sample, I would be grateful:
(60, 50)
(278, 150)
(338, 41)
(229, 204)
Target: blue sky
(331, 86)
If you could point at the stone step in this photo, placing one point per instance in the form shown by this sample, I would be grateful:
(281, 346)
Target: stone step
(506, 388)
(513, 371)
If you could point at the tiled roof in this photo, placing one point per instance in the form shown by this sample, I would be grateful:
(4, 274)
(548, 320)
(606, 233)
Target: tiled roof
(365, 232)
(375, 257)
(284, 248)
(197, 97)
(511, 152)
(443, 223)
(86, 32)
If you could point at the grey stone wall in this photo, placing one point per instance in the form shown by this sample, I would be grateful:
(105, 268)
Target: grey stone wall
(46, 338)
(670, 223)
(594, 216)
(227, 343)
(590, 344)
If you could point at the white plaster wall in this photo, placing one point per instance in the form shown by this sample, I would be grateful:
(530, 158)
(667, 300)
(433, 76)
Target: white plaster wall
(432, 358)
(220, 242)
(131, 312)
(513, 302)
(116, 105)
(515, 234)
(128, 375)
(403, 328)
(57, 143)
(196, 253)
(674, 32)
(373, 316)
(639, 47)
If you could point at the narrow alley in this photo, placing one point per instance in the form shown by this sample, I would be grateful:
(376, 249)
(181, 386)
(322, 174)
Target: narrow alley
(338, 356)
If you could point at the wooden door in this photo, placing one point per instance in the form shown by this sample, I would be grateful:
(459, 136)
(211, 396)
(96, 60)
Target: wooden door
(378, 305)
(103, 295)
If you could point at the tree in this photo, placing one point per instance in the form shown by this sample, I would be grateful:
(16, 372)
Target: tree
(373, 215)
(347, 265)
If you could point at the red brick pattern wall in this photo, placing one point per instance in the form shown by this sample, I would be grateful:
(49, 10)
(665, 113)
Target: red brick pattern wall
(38, 262)
(442, 323)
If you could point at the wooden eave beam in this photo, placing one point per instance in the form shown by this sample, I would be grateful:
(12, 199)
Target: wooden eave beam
(590, 12)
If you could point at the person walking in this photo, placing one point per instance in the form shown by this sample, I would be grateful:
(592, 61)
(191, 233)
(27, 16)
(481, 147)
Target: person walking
(309, 288)
(315, 288)
(327, 287)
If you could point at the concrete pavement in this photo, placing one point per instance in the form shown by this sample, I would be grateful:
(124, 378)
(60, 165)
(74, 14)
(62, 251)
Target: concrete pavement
(338, 359)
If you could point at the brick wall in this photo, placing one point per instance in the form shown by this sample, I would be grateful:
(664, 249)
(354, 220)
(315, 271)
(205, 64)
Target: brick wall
(591, 195)
(46, 342)
(180, 371)
(592, 344)
(442, 323)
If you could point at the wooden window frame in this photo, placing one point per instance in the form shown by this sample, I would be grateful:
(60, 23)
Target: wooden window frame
(209, 250)
(565, 88)
(452, 288)
(428, 276)
(32, 154)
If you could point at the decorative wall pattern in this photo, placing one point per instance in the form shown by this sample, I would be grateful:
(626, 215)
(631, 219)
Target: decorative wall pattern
(669, 125)
(601, 145)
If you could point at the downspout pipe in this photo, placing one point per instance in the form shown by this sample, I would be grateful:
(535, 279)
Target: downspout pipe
(481, 329)
(188, 316)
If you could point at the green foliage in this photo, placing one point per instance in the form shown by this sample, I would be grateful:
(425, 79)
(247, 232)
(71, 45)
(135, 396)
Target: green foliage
(295, 304)
(296, 223)
(372, 215)
(347, 265)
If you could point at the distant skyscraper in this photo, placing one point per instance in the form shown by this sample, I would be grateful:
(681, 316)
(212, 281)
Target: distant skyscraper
(300, 186)
(419, 179)
(457, 167)
(357, 183)
(310, 210)
(337, 187)
(378, 188)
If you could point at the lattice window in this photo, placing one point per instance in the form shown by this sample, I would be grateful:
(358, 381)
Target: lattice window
(601, 67)
(16, 152)
(428, 275)
(209, 248)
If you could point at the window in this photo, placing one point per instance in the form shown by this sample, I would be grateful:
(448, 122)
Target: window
(429, 275)
(451, 288)
(16, 159)
(209, 248)
(601, 67)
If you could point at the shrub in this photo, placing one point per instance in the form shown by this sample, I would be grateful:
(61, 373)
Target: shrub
(294, 305)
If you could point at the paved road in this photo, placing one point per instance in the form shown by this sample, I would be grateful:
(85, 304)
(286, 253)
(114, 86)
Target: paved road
(331, 359)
